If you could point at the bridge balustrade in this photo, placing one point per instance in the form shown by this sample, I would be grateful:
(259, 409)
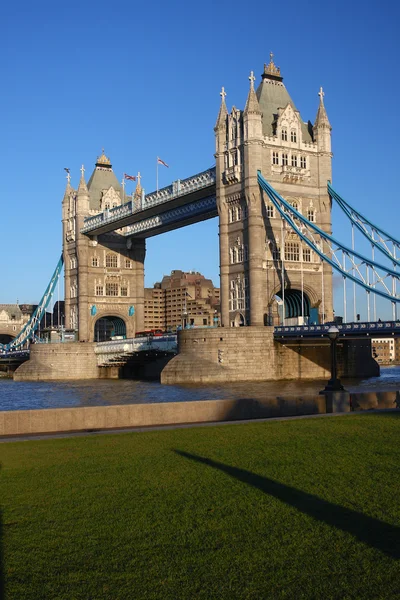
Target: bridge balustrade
(378, 327)
(166, 194)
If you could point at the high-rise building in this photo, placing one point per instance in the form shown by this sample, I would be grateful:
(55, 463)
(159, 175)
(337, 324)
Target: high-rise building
(180, 299)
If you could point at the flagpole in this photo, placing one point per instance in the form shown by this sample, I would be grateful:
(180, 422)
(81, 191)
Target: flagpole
(157, 175)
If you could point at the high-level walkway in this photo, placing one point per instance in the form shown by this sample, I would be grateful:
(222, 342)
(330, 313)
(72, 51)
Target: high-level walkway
(182, 203)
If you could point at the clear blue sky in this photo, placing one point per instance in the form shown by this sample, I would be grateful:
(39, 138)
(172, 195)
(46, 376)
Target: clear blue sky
(143, 79)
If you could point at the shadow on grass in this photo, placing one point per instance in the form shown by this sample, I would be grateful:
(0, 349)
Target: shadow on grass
(373, 532)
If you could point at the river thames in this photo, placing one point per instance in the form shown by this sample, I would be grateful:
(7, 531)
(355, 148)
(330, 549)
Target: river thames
(21, 395)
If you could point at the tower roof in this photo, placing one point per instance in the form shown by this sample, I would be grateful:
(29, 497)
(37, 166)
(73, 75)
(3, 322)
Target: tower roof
(272, 94)
(102, 178)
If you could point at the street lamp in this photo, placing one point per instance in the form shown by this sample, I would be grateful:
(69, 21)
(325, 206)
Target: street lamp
(333, 384)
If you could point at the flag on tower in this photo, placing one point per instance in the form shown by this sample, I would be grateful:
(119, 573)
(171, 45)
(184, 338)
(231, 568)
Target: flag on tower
(130, 177)
(161, 162)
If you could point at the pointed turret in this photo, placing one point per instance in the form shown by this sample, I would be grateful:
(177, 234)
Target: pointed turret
(66, 202)
(252, 105)
(322, 118)
(82, 197)
(223, 111)
(252, 115)
(322, 128)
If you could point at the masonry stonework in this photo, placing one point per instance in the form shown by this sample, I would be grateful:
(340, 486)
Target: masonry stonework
(261, 262)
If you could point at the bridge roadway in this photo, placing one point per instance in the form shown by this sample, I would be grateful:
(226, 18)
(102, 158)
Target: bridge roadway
(115, 352)
(359, 330)
(182, 203)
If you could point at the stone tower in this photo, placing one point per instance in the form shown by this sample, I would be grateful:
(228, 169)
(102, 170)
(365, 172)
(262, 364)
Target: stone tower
(266, 272)
(104, 275)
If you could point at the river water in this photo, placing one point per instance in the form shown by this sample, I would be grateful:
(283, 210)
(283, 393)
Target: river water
(21, 395)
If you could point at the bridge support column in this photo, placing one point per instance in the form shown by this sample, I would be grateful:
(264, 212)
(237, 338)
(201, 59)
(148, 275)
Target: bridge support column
(256, 237)
(139, 253)
(224, 267)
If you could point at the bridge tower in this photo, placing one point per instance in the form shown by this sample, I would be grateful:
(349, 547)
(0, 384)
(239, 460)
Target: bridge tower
(266, 272)
(104, 275)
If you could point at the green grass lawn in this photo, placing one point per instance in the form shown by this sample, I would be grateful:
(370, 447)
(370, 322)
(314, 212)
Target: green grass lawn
(291, 509)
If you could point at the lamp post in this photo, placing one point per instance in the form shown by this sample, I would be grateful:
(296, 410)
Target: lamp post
(333, 384)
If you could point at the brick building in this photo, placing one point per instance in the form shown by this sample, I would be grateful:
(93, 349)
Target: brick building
(181, 299)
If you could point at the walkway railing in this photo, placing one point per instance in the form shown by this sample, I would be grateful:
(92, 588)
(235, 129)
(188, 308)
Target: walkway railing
(175, 190)
(383, 328)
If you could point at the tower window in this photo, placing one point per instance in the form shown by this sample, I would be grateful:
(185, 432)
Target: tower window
(303, 162)
(128, 264)
(311, 215)
(293, 136)
(276, 253)
(275, 158)
(270, 211)
(306, 255)
(111, 289)
(111, 260)
(295, 206)
(294, 160)
(284, 134)
(292, 251)
(284, 160)
(95, 261)
(99, 290)
(124, 290)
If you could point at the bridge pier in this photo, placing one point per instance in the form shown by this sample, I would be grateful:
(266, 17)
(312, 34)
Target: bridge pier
(251, 354)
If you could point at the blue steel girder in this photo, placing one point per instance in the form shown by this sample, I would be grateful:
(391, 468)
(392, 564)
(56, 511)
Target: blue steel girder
(378, 238)
(370, 275)
(28, 331)
(180, 193)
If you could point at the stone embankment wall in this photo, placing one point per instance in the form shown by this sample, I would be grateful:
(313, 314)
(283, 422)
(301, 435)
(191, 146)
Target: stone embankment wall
(24, 422)
(252, 354)
(60, 361)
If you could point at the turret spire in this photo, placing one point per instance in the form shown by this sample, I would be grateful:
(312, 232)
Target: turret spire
(222, 110)
(82, 187)
(252, 105)
(322, 118)
(271, 71)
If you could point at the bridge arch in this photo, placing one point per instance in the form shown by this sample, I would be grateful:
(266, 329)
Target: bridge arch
(6, 338)
(109, 326)
(293, 303)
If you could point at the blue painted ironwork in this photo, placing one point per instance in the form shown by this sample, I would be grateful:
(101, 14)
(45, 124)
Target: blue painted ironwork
(376, 328)
(374, 234)
(315, 238)
(27, 332)
(175, 190)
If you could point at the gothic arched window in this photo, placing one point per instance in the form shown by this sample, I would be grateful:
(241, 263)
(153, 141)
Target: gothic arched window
(111, 261)
(284, 134)
(293, 136)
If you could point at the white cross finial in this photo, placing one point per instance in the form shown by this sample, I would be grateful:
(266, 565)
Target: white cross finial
(139, 177)
(252, 79)
(271, 56)
(321, 94)
(83, 171)
(69, 177)
(123, 183)
(222, 94)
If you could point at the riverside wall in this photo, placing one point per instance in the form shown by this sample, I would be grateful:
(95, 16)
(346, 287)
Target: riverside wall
(88, 419)
(252, 354)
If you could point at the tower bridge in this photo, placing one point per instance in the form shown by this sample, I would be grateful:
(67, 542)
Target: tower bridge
(270, 190)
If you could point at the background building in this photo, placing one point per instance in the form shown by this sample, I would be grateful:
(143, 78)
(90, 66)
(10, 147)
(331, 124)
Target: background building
(181, 299)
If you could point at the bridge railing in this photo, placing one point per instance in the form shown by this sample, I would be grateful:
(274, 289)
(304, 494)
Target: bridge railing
(376, 327)
(106, 351)
(166, 194)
